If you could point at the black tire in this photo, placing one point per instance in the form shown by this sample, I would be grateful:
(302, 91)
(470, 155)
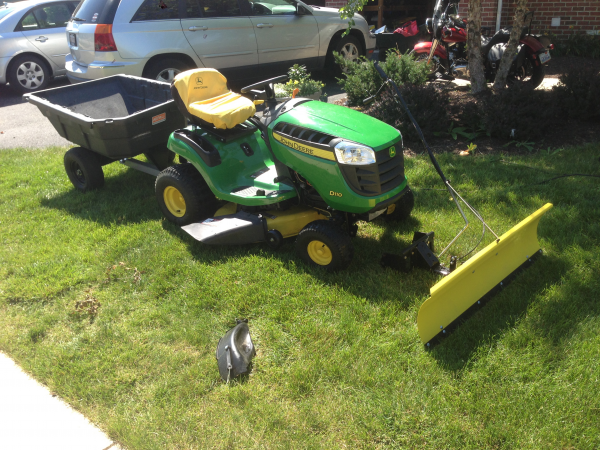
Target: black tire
(324, 244)
(183, 195)
(403, 208)
(84, 169)
(165, 69)
(436, 69)
(528, 73)
(28, 73)
(274, 239)
(350, 48)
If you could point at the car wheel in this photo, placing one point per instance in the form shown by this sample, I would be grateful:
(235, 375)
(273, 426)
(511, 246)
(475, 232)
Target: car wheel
(165, 70)
(350, 49)
(324, 244)
(28, 73)
(183, 195)
(84, 169)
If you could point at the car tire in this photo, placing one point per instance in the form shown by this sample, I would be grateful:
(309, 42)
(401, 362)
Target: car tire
(183, 195)
(84, 169)
(350, 48)
(165, 69)
(324, 244)
(28, 73)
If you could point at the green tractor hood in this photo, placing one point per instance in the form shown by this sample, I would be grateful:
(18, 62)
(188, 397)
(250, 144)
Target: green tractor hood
(343, 123)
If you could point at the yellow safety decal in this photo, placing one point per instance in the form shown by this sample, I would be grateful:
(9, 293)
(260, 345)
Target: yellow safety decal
(313, 151)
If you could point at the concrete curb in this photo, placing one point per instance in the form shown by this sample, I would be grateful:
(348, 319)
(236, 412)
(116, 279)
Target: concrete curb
(32, 419)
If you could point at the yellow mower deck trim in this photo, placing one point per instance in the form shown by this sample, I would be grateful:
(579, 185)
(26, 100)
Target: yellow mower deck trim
(457, 292)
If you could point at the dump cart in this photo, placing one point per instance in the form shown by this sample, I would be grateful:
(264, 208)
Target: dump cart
(395, 41)
(111, 119)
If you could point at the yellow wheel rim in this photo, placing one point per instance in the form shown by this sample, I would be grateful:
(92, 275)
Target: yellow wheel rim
(319, 253)
(174, 201)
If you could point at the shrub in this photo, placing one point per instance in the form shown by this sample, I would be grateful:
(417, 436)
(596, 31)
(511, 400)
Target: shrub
(298, 78)
(579, 45)
(519, 112)
(428, 105)
(361, 79)
(579, 94)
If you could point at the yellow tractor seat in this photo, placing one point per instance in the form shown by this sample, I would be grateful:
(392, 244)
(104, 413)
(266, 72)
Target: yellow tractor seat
(203, 94)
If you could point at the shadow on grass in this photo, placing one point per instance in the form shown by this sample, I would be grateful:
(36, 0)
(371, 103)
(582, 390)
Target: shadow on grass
(125, 198)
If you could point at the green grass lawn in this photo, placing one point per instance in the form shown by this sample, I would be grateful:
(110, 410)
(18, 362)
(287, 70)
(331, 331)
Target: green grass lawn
(119, 313)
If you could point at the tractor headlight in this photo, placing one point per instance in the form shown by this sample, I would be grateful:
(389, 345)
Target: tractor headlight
(354, 154)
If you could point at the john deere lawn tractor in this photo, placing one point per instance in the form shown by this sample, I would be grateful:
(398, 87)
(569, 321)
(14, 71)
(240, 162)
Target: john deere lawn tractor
(301, 168)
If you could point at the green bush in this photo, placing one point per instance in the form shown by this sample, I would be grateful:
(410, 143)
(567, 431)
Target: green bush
(579, 94)
(578, 45)
(427, 103)
(519, 112)
(361, 80)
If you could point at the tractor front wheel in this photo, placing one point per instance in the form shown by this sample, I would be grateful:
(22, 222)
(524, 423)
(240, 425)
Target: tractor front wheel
(183, 195)
(324, 244)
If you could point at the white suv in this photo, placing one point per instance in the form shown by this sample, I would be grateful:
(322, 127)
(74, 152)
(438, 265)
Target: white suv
(243, 39)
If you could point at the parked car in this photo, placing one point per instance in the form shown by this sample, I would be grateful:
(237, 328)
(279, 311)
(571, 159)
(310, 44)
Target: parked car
(243, 39)
(32, 42)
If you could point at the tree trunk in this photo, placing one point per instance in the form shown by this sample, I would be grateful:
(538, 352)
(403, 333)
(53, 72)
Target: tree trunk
(478, 83)
(511, 50)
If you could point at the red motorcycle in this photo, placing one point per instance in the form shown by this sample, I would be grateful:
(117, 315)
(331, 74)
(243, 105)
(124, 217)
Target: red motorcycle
(449, 60)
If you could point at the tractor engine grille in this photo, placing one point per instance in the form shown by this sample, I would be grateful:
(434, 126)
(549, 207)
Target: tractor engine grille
(375, 179)
(303, 134)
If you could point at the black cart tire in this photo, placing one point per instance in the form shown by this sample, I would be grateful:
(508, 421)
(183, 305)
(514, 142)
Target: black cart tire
(324, 244)
(28, 73)
(350, 49)
(165, 69)
(402, 208)
(84, 169)
(183, 195)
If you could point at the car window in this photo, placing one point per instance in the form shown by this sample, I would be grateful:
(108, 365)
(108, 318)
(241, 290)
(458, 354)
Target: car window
(28, 23)
(192, 9)
(220, 8)
(157, 10)
(96, 11)
(51, 16)
(274, 7)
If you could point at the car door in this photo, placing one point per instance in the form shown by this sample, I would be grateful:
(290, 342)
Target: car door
(219, 34)
(44, 27)
(286, 34)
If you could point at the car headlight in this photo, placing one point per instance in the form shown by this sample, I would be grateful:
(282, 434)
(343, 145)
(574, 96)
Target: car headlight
(354, 154)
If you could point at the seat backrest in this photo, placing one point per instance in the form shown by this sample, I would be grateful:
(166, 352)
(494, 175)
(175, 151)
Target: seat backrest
(199, 84)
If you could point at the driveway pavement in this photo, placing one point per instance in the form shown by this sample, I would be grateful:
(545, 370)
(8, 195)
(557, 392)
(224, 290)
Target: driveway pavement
(31, 418)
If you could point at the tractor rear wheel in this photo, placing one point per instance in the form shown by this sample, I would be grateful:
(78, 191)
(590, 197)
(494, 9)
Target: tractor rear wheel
(183, 195)
(324, 244)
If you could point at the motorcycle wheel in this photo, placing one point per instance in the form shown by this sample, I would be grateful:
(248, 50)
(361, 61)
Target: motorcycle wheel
(528, 73)
(436, 69)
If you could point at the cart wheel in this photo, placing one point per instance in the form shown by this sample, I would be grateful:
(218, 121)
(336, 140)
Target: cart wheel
(402, 208)
(84, 169)
(324, 244)
(183, 195)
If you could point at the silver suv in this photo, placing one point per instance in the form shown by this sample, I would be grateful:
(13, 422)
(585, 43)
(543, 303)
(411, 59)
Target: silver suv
(159, 38)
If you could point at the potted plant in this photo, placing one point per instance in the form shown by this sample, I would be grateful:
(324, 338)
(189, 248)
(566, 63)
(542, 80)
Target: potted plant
(299, 79)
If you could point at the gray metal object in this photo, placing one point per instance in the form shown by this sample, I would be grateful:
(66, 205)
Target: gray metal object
(235, 351)
(231, 229)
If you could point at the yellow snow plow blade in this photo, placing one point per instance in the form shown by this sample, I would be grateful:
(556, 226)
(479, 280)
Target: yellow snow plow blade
(466, 285)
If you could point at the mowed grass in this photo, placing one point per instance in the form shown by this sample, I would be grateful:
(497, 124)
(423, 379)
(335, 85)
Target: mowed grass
(119, 313)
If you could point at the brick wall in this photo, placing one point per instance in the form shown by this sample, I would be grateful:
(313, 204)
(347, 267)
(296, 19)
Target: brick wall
(576, 16)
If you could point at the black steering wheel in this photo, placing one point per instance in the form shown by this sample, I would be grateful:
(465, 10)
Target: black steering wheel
(264, 84)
